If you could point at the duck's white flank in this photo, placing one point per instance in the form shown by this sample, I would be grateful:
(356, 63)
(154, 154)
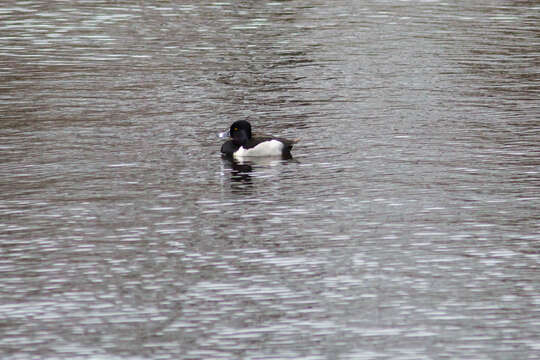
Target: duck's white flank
(266, 148)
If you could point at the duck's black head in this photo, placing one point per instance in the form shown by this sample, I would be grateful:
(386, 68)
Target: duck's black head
(240, 132)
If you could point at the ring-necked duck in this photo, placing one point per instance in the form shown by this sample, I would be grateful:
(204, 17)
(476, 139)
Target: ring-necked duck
(242, 144)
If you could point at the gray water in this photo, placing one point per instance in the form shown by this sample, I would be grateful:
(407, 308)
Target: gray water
(406, 226)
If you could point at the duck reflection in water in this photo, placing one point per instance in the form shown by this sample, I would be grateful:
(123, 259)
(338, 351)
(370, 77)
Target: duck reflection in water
(240, 171)
(243, 172)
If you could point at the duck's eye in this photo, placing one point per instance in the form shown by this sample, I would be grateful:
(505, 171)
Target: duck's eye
(235, 129)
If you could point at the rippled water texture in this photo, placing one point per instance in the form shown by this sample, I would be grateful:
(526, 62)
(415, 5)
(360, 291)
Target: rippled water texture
(407, 225)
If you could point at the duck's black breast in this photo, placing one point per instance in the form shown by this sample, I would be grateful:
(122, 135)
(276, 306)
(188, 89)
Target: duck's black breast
(229, 147)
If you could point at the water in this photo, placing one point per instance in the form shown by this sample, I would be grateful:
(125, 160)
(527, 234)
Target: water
(406, 227)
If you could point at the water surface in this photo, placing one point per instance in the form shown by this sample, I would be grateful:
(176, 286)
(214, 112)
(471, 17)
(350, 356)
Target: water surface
(406, 226)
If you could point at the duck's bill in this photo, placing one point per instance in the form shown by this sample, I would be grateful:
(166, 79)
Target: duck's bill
(224, 134)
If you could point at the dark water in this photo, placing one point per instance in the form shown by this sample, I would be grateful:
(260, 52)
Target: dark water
(407, 226)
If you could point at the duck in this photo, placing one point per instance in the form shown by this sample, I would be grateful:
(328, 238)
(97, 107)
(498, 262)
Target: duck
(242, 144)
